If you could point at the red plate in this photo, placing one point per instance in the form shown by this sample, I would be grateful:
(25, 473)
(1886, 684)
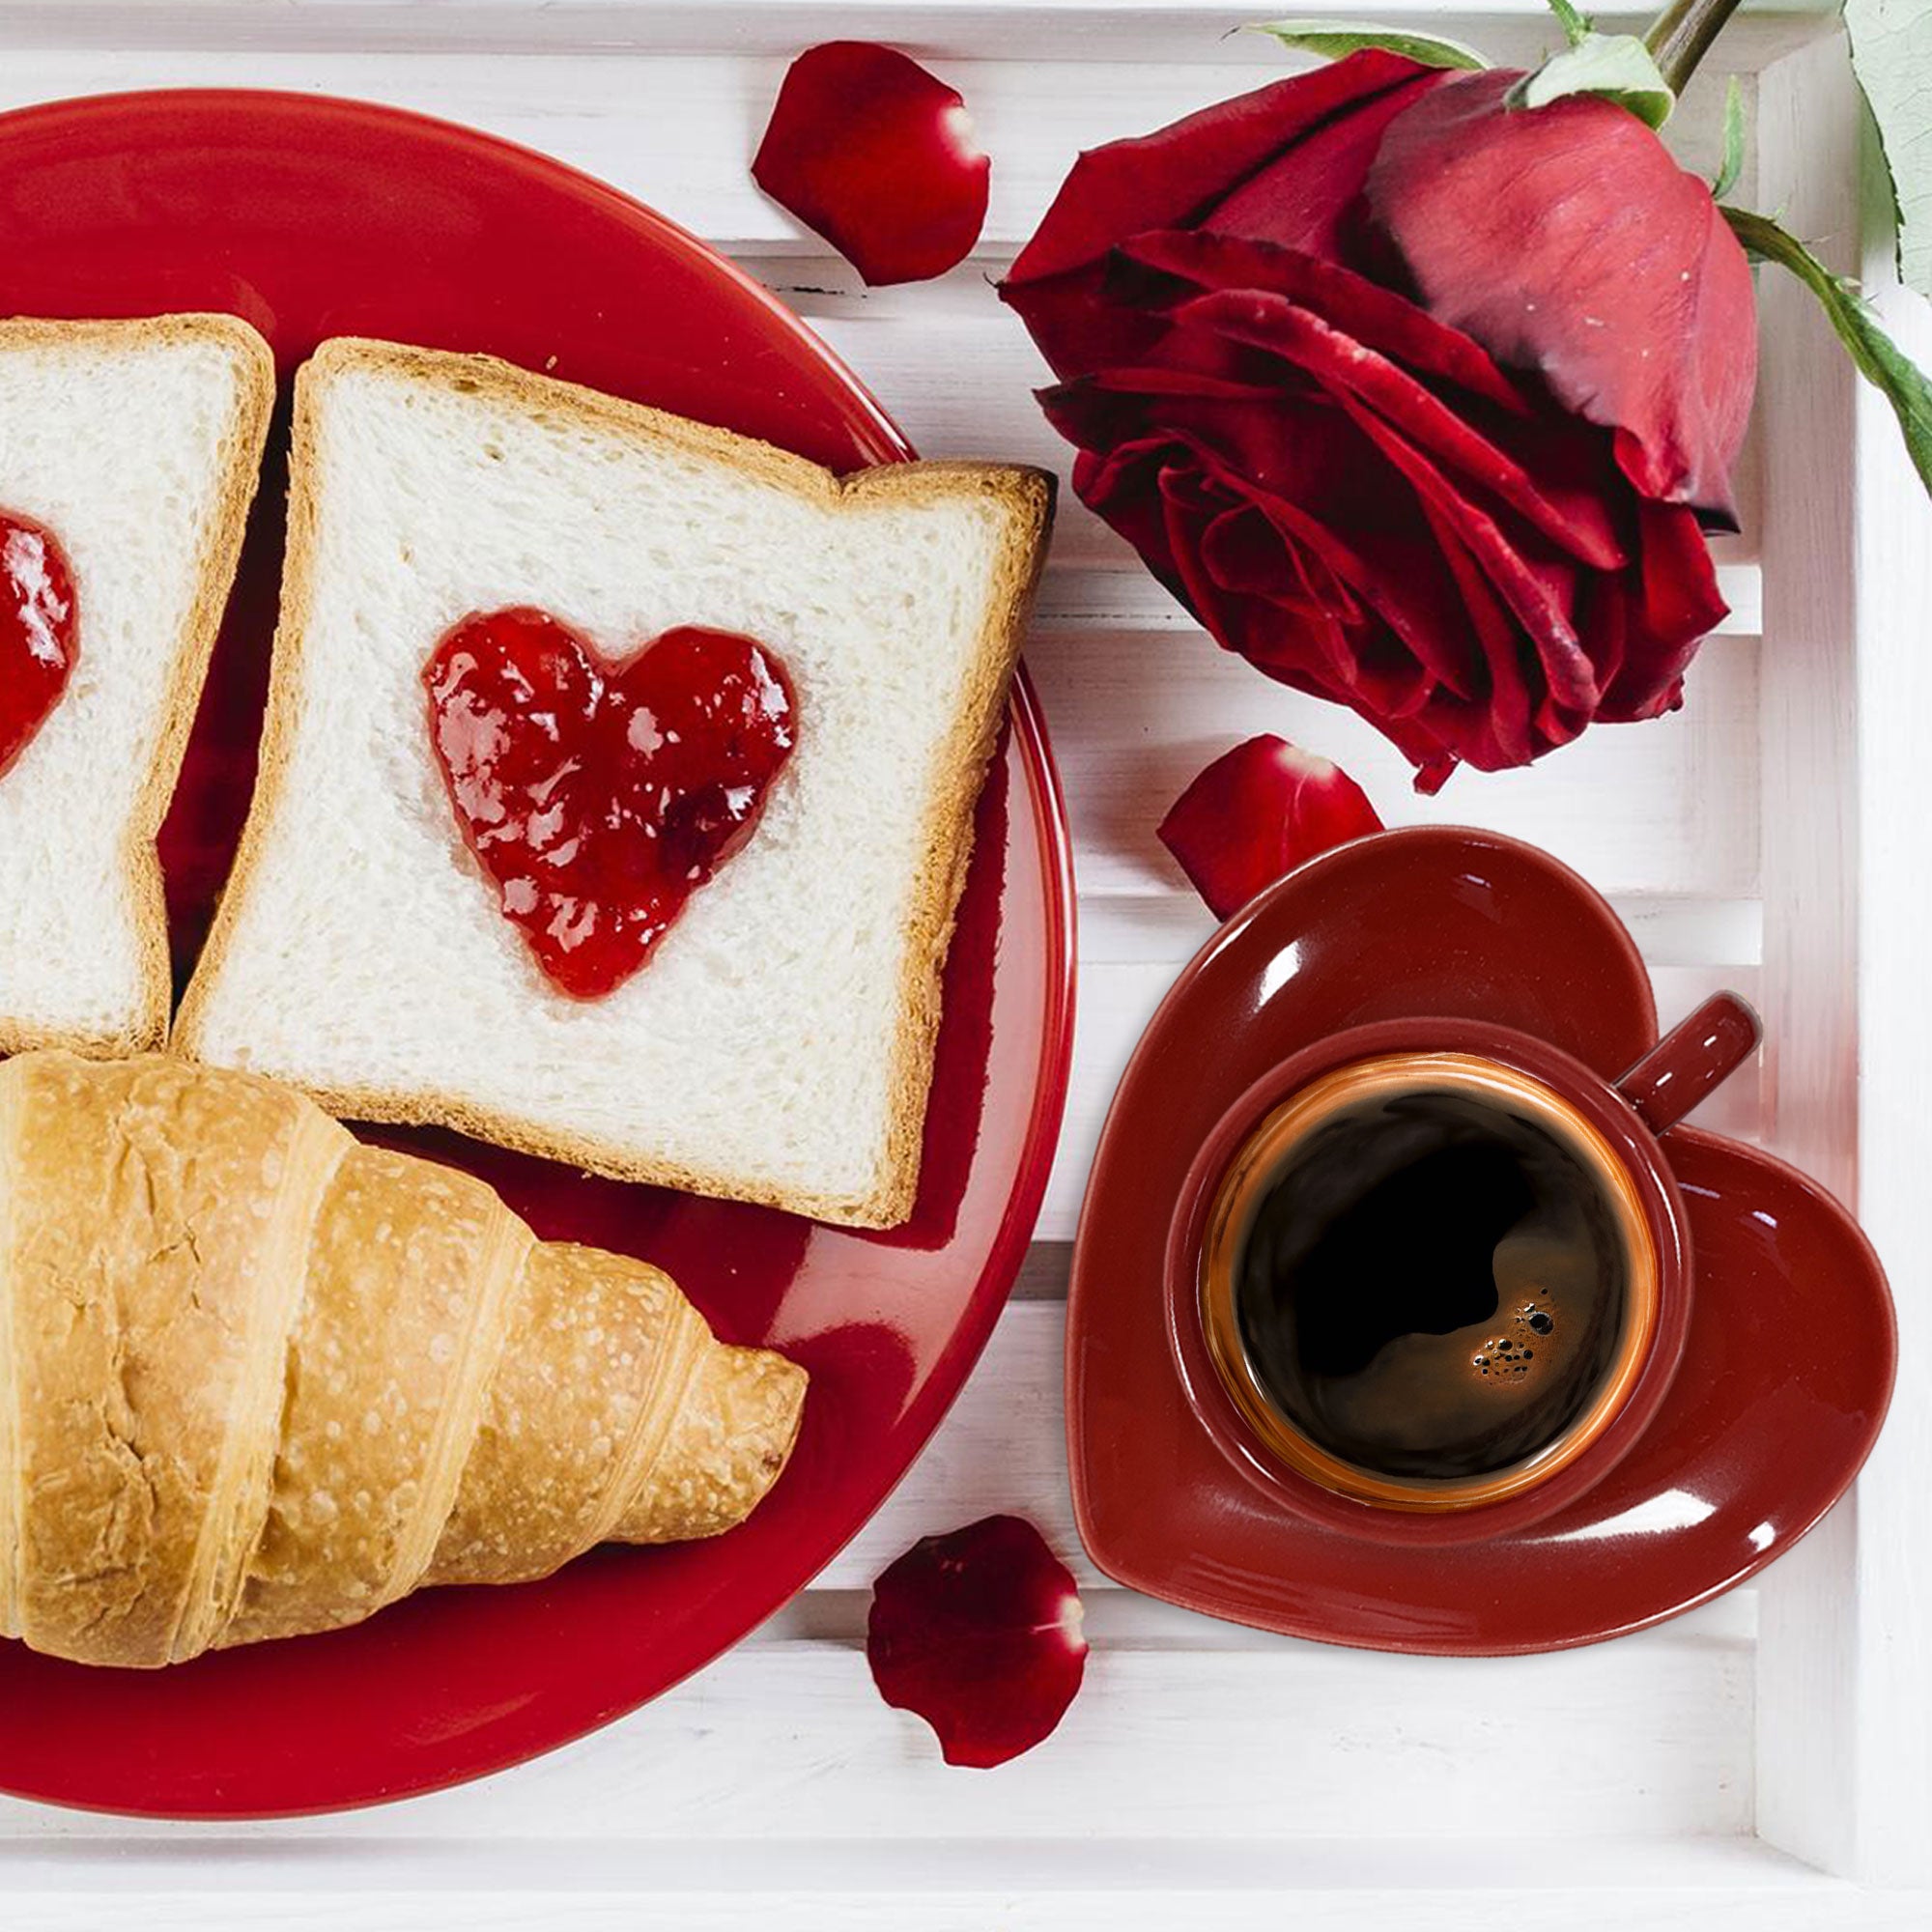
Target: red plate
(314, 218)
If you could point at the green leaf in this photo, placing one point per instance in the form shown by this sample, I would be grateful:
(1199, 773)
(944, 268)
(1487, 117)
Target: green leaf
(1575, 26)
(1337, 39)
(1891, 50)
(1733, 164)
(1614, 67)
(1878, 360)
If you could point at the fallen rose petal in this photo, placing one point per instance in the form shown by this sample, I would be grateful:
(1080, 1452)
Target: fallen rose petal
(1256, 813)
(979, 1632)
(878, 155)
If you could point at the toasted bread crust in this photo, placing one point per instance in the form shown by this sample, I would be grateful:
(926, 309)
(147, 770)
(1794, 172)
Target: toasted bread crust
(957, 778)
(240, 457)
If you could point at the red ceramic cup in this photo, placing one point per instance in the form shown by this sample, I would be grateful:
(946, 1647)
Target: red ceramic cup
(1611, 1130)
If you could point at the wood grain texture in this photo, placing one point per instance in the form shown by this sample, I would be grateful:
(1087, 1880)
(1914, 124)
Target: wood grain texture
(1701, 1886)
(1653, 808)
(1143, 30)
(1804, 1904)
(1808, 1794)
(678, 128)
(1166, 1747)
(1892, 1590)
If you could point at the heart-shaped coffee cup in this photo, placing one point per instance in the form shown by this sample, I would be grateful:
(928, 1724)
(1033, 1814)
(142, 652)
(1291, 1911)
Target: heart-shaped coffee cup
(1358, 1112)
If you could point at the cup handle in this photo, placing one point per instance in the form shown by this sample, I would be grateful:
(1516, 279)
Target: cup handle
(1695, 1056)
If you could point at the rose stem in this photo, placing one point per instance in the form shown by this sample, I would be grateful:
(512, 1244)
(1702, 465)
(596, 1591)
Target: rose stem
(1681, 35)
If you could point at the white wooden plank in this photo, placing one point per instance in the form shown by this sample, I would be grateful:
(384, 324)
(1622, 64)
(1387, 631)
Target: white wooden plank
(1809, 1790)
(1651, 1737)
(1710, 1885)
(1003, 1449)
(1149, 30)
(1806, 1904)
(679, 129)
(1893, 1577)
(1115, 1617)
(1122, 596)
(1668, 807)
(1522, 1863)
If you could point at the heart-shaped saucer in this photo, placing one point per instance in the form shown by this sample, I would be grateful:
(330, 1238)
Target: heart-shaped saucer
(1786, 1370)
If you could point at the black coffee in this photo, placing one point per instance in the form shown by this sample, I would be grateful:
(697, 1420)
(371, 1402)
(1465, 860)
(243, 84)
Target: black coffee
(1431, 1285)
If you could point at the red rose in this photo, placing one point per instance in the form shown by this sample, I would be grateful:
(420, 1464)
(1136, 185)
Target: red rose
(1419, 402)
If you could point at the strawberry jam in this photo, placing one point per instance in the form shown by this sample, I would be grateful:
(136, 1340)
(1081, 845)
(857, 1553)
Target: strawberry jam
(39, 631)
(599, 798)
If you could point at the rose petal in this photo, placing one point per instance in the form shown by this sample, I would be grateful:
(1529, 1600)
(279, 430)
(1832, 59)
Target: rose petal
(1405, 618)
(1680, 603)
(979, 1632)
(1171, 178)
(1309, 198)
(1493, 731)
(1530, 592)
(878, 155)
(1378, 317)
(1565, 238)
(1256, 813)
(1340, 364)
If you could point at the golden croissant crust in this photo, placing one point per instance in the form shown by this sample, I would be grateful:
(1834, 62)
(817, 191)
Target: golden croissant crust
(258, 1379)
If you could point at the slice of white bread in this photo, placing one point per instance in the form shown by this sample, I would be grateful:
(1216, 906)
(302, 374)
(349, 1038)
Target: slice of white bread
(137, 446)
(777, 1044)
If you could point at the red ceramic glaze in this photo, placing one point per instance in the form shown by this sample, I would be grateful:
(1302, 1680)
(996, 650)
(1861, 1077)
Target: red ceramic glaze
(1787, 1356)
(1702, 1050)
(314, 218)
(39, 631)
(598, 798)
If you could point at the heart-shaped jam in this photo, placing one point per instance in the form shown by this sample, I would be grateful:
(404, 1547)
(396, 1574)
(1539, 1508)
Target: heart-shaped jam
(38, 632)
(599, 798)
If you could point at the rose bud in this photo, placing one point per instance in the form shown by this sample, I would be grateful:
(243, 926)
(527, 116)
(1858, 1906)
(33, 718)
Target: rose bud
(1419, 402)
(1256, 813)
(979, 1633)
(877, 155)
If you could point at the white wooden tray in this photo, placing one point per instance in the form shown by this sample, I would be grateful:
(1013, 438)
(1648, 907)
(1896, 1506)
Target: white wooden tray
(1765, 1762)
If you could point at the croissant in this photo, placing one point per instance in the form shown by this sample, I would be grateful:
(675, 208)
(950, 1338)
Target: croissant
(258, 1379)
